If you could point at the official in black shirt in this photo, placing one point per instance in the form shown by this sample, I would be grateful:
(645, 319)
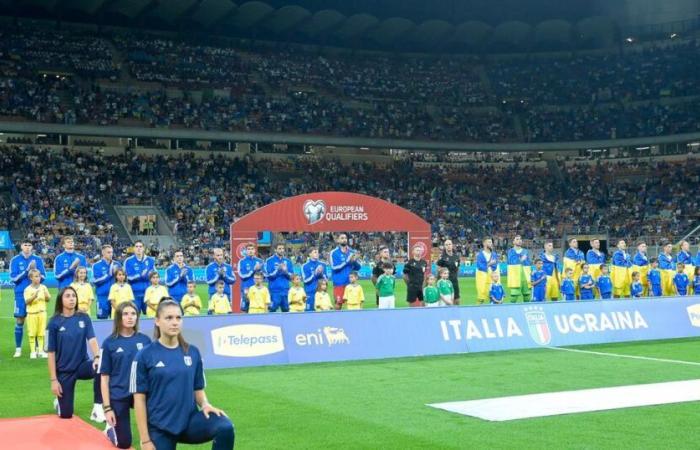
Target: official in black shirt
(413, 274)
(451, 260)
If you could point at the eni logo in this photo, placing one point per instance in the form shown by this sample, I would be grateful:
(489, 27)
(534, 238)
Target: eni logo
(326, 336)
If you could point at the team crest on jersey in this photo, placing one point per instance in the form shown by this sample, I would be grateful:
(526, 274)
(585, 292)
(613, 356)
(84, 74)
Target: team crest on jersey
(537, 323)
(81, 324)
(139, 346)
(314, 210)
(188, 361)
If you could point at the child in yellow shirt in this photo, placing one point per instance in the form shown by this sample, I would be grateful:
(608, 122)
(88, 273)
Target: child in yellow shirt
(218, 303)
(154, 293)
(120, 292)
(322, 301)
(354, 296)
(191, 303)
(36, 297)
(84, 290)
(258, 296)
(296, 295)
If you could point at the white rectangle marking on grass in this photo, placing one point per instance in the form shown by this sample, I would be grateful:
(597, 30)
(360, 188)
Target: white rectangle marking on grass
(570, 402)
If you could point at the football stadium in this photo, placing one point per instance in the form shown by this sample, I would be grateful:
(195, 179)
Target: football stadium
(358, 225)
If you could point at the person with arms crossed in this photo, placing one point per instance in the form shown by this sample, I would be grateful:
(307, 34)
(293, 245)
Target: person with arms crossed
(640, 263)
(67, 262)
(297, 295)
(586, 284)
(496, 292)
(539, 282)
(386, 284)
(383, 257)
(20, 266)
(219, 301)
(636, 288)
(354, 295)
(486, 263)
(138, 268)
(550, 265)
(621, 263)
(86, 295)
(568, 287)
(519, 269)
(686, 258)
(343, 261)
(604, 283)
(117, 353)
(312, 271)
(655, 279)
(450, 260)
(191, 303)
(445, 288)
(177, 276)
(67, 334)
(431, 296)
(167, 382)
(595, 260)
(103, 278)
(219, 270)
(413, 275)
(574, 259)
(278, 271)
(680, 281)
(36, 297)
(247, 267)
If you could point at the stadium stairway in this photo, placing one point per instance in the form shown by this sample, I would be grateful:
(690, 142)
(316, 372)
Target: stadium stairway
(114, 219)
(163, 232)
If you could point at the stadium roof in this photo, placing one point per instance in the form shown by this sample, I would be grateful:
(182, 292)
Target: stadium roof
(386, 24)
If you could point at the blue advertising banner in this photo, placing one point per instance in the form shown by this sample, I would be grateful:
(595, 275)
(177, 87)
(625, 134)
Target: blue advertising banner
(254, 340)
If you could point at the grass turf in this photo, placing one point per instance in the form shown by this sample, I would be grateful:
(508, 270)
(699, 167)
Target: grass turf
(381, 404)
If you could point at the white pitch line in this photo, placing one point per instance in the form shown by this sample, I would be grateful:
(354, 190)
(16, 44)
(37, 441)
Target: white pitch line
(618, 355)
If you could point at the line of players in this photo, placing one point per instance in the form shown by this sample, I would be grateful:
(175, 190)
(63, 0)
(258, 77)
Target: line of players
(586, 277)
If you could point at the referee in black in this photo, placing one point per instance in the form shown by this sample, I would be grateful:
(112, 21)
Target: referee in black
(414, 274)
(450, 260)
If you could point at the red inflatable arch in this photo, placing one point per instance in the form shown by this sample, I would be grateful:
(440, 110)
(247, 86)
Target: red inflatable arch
(327, 212)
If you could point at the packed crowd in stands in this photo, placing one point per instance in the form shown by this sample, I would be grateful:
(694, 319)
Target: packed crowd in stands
(203, 196)
(72, 76)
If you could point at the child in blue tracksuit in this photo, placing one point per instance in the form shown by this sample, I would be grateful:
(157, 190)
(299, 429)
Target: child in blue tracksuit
(568, 288)
(696, 281)
(680, 280)
(636, 289)
(538, 279)
(496, 292)
(586, 284)
(604, 283)
(654, 277)
(167, 381)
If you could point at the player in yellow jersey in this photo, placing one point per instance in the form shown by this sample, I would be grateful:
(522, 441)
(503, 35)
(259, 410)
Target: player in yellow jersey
(36, 297)
(322, 301)
(296, 295)
(219, 302)
(191, 303)
(354, 295)
(258, 296)
(120, 292)
(154, 293)
(83, 288)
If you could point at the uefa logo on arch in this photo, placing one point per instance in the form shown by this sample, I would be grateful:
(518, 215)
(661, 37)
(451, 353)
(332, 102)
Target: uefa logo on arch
(314, 210)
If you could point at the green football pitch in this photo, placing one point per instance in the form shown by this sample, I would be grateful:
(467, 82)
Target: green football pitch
(381, 404)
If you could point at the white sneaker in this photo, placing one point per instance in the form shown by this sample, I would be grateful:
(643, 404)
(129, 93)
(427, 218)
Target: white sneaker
(98, 414)
(43, 355)
(32, 355)
(18, 352)
(111, 434)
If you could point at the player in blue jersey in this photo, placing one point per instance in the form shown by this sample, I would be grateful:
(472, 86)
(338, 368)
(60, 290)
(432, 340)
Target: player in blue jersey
(118, 352)
(20, 266)
(574, 260)
(278, 271)
(217, 270)
(518, 272)
(621, 264)
(604, 283)
(640, 263)
(167, 380)
(177, 275)
(66, 263)
(686, 258)
(667, 268)
(67, 334)
(343, 260)
(103, 278)
(538, 280)
(655, 279)
(246, 270)
(551, 265)
(312, 271)
(681, 280)
(595, 260)
(586, 283)
(138, 268)
(696, 281)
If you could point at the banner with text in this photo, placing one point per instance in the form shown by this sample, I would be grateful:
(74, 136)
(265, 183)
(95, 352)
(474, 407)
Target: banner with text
(254, 340)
